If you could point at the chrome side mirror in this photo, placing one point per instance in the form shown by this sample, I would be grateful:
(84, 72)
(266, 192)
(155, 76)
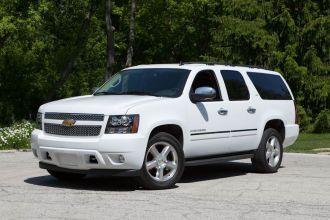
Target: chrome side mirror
(203, 94)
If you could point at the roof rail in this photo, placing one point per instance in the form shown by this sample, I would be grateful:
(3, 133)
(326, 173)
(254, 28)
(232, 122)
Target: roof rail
(222, 63)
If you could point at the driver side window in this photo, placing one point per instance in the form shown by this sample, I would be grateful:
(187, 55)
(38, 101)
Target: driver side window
(206, 78)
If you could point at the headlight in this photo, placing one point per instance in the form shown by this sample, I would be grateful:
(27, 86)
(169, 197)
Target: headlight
(39, 121)
(122, 124)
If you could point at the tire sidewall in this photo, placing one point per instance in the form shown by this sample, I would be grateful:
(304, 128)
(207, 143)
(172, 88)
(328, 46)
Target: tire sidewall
(261, 152)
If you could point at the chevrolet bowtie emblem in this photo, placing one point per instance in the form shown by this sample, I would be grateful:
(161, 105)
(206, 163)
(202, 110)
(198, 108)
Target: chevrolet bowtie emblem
(68, 122)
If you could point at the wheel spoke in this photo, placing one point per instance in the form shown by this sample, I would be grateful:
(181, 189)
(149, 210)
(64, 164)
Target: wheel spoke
(272, 142)
(277, 151)
(160, 173)
(277, 143)
(154, 151)
(151, 164)
(166, 151)
(268, 147)
(276, 159)
(268, 154)
(271, 160)
(171, 164)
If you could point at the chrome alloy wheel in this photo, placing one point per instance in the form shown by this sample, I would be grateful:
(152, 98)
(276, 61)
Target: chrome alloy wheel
(161, 161)
(273, 151)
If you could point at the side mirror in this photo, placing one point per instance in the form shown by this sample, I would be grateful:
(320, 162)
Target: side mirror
(94, 89)
(203, 94)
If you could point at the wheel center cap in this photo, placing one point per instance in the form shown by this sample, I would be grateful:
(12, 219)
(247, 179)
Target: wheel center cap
(160, 161)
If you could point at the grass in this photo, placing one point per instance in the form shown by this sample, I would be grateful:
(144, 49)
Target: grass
(307, 143)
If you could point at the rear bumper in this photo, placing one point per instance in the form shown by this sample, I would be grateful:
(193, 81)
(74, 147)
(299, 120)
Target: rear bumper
(291, 134)
(90, 171)
(74, 153)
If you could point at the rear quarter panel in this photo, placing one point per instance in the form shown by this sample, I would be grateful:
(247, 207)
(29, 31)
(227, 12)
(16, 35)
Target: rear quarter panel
(272, 109)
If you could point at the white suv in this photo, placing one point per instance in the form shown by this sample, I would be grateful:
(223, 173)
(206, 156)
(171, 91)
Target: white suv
(151, 121)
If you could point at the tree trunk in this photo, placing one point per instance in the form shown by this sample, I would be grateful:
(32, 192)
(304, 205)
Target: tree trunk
(80, 42)
(110, 41)
(131, 35)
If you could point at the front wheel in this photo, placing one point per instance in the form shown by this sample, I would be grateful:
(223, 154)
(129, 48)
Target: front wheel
(163, 164)
(268, 157)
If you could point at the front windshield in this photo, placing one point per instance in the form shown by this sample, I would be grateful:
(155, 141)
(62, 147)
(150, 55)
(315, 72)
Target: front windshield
(165, 82)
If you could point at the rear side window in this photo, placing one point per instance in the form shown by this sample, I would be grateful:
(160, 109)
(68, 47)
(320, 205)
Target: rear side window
(270, 86)
(235, 85)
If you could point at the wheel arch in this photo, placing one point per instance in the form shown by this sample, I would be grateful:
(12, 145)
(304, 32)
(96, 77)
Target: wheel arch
(277, 124)
(172, 129)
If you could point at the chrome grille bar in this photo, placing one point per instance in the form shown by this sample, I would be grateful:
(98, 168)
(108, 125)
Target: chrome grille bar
(75, 116)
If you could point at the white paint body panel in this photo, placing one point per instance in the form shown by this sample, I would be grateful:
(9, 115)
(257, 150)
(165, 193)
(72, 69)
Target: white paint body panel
(224, 135)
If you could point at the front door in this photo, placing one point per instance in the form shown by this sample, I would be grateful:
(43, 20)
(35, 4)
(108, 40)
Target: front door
(208, 123)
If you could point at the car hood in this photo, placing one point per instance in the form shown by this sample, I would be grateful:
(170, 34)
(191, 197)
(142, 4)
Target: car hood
(103, 104)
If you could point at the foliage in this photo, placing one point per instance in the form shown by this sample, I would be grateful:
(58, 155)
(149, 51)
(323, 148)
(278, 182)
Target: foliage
(304, 119)
(17, 136)
(37, 38)
(322, 123)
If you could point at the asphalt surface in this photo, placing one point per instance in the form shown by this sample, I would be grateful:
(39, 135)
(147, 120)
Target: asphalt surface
(300, 190)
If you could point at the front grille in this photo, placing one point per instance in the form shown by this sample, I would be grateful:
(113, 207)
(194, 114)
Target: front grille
(76, 130)
(75, 116)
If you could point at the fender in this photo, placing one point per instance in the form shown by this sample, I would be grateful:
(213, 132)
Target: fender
(264, 121)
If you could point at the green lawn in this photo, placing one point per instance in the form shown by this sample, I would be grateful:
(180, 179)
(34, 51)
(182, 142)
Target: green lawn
(307, 143)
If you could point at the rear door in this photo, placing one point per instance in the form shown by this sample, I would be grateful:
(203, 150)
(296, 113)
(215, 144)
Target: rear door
(242, 110)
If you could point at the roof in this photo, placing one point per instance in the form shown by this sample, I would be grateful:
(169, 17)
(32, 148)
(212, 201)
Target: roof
(202, 65)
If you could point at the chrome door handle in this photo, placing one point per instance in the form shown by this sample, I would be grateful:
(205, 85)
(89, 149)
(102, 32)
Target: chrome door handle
(251, 110)
(222, 111)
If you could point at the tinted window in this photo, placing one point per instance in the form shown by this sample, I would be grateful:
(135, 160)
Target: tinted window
(235, 85)
(151, 81)
(206, 78)
(270, 86)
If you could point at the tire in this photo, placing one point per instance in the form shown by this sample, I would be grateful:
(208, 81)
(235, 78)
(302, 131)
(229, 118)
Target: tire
(268, 161)
(66, 176)
(162, 169)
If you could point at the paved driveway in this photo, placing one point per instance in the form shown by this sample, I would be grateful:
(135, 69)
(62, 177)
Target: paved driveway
(300, 190)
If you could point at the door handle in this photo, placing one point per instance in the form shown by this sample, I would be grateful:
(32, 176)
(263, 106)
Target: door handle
(251, 110)
(222, 111)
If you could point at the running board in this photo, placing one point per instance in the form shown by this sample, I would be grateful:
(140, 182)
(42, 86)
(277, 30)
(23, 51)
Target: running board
(219, 158)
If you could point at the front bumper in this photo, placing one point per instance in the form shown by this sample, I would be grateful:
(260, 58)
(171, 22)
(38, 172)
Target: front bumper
(75, 153)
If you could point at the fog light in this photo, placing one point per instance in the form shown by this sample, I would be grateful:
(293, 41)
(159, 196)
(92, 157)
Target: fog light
(121, 159)
(48, 157)
(92, 159)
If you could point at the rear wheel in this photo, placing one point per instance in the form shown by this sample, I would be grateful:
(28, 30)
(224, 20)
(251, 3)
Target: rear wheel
(66, 176)
(163, 164)
(268, 157)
